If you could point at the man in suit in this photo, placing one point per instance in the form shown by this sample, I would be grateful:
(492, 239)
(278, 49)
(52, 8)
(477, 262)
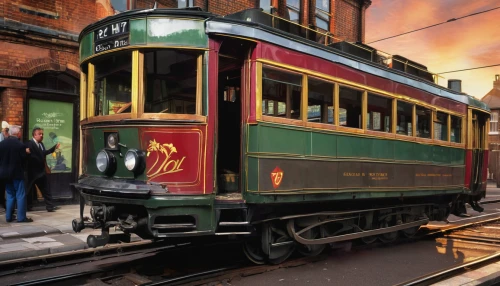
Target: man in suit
(12, 155)
(36, 168)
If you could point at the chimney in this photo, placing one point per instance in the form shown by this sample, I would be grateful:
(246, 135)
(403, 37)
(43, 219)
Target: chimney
(455, 84)
(496, 83)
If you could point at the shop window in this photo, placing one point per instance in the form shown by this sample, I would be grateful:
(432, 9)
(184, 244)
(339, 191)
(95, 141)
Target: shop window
(113, 78)
(441, 126)
(51, 80)
(350, 102)
(424, 116)
(494, 123)
(379, 113)
(294, 10)
(404, 118)
(323, 14)
(320, 101)
(456, 129)
(170, 81)
(281, 93)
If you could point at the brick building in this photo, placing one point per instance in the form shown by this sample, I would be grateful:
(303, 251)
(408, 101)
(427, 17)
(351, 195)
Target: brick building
(39, 67)
(492, 98)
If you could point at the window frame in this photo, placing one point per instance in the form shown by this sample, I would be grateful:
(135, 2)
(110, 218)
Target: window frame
(323, 15)
(335, 126)
(138, 93)
(494, 122)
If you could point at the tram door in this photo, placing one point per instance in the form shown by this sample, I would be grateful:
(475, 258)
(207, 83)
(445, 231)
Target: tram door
(479, 137)
(229, 124)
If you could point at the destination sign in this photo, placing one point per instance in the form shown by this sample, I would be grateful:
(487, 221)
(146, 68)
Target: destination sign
(111, 36)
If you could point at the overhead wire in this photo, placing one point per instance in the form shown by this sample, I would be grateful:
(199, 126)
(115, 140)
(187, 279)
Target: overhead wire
(476, 68)
(427, 27)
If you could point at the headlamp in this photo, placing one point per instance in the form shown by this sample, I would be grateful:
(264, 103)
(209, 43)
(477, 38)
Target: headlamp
(134, 161)
(105, 162)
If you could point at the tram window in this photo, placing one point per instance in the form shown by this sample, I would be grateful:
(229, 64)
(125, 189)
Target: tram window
(281, 93)
(350, 101)
(423, 122)
(379, 113)
(320, 101)
(441, 126)
(113, 78)
(170, 81)
(456, 129)
(404, 118)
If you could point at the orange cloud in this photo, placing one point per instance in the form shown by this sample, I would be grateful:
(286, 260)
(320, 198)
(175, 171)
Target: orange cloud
(465, 43)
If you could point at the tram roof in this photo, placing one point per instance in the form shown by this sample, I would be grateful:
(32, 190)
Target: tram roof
(253, 30)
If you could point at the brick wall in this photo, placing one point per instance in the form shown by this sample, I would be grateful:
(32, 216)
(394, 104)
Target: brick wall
(23, 54)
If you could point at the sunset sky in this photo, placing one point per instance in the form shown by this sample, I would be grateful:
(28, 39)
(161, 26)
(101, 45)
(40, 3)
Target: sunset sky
(466, 43)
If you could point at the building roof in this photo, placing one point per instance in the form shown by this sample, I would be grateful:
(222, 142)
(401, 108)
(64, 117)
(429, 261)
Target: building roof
(492, 98)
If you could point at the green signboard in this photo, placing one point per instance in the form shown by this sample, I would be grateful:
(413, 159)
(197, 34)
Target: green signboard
(56, 120)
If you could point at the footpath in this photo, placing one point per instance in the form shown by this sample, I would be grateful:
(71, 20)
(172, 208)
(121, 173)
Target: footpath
(49, 233)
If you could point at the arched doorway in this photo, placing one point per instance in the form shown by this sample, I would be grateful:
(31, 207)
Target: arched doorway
(52, 104)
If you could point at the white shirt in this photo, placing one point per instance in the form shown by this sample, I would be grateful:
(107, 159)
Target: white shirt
(38, 144)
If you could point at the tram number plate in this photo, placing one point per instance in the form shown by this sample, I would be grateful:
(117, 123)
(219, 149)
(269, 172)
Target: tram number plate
(112, 36)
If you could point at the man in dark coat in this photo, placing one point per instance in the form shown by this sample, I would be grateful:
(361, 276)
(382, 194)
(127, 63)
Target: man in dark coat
(36, 168)
(12, 156)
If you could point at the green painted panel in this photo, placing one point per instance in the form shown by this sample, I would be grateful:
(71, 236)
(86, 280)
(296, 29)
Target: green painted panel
(441, 154)
(355, 194)
(128, 137)
(350, 147)
(253, 173)
(405, 151)
(253, 138)
(457, 156)
(323, 144)
(138, 30)
(86, 46)
(423, 153)
(281, 140)
(382, 149)
(176, 32)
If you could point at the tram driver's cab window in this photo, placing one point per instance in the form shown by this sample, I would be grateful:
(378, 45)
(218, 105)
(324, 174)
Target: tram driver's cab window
(441, 126)
(424, 119)
(170, 81)
(320, 101)
(350, 103)
(112, 86)
(281, 93)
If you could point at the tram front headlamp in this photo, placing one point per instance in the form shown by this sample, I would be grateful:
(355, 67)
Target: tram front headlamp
(105, 162)
(112, 141)
(134, 161)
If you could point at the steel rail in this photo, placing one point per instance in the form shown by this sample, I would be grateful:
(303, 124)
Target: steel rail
(448, 271)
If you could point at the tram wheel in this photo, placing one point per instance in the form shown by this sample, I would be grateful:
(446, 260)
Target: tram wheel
(276, 243)
(311, 249)
(409, 232)
(253, 251)
(389, 236)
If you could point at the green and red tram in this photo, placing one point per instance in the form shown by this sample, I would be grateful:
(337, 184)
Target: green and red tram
(194, 124)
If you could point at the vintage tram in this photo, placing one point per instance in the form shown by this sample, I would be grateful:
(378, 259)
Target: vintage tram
(194, 124)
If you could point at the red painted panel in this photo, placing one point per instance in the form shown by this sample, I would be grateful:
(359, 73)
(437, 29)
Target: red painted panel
(468, 168)
(289, 57)
(176, 157)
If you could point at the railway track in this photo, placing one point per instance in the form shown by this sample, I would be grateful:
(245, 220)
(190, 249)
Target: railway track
(171, 264)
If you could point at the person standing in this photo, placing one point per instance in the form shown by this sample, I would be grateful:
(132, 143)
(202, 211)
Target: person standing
(36, 168)
(4, 134)
(12, 155)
